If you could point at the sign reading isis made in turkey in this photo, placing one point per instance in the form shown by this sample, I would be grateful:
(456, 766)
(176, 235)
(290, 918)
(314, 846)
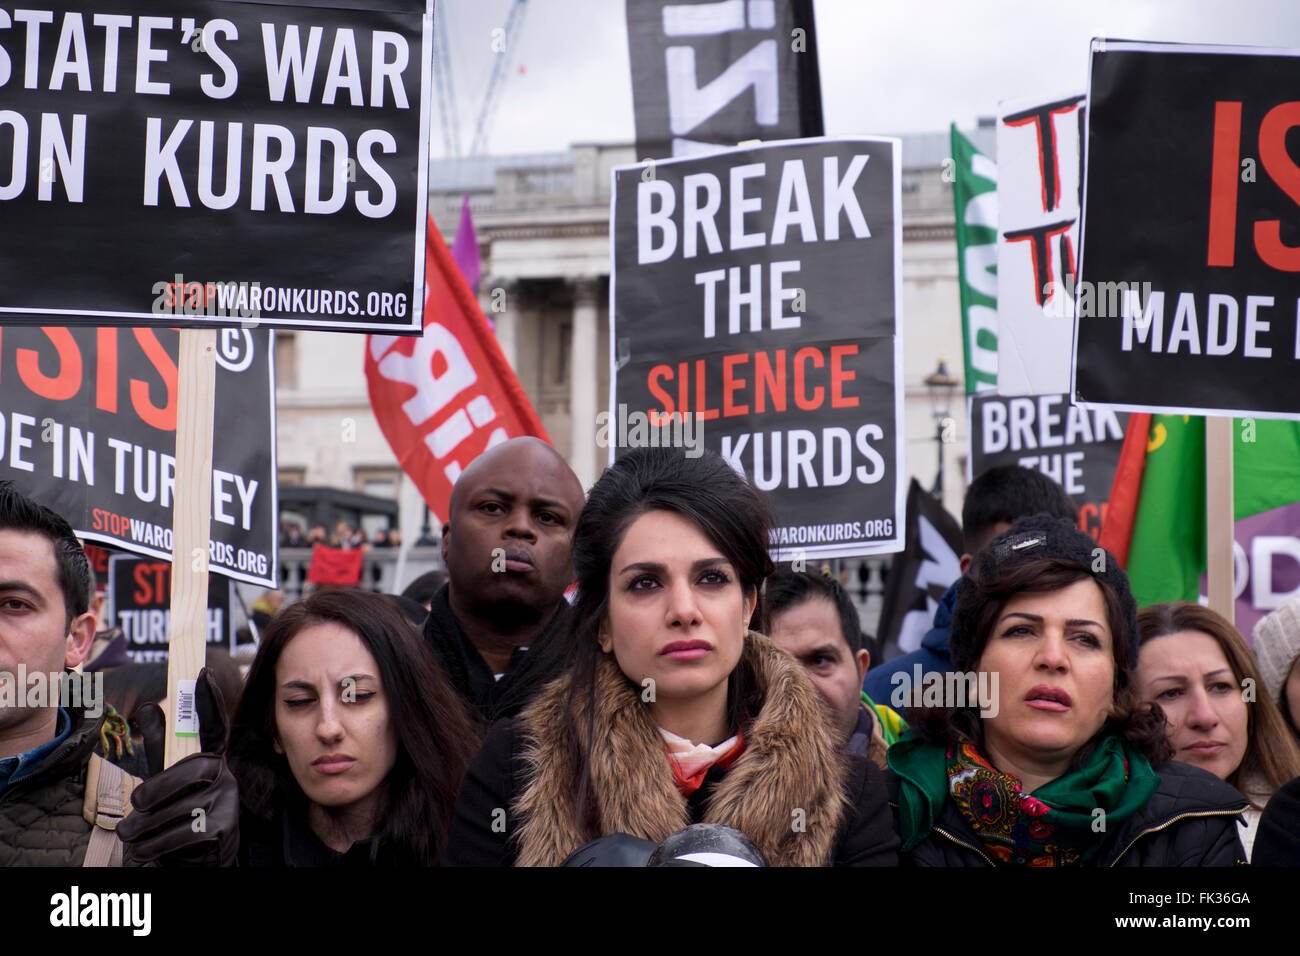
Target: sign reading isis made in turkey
(88, 428)
(1189, 284)
(206, 162)
(755, 311)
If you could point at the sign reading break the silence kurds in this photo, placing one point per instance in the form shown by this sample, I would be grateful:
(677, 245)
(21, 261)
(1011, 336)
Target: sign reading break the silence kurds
(1191, 231)
(141, 592)
(1076, 447)
(260, 161)
(88, 428)
(755, 309)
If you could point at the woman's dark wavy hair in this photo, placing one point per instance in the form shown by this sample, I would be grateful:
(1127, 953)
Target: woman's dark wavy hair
(436, 738)
(706, 491)
(1141, 724)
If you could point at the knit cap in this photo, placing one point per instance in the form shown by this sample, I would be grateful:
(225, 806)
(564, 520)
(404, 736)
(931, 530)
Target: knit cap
(1031, 538)
(1277, 645)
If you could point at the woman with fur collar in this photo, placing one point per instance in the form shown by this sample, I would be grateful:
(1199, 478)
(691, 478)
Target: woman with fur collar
(672, 712)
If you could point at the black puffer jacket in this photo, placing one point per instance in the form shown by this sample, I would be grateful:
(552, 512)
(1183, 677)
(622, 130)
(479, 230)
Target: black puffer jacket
(1191, 820)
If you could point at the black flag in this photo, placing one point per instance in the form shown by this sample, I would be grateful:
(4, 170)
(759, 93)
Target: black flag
(709, 75)
(919, 574)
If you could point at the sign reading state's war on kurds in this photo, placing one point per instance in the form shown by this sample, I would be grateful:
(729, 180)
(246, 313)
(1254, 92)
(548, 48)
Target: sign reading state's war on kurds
(755, 302)
(203, 162)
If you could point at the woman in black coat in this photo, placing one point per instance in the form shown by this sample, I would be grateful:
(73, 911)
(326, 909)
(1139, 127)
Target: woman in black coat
(673, 712)
(1049, 759)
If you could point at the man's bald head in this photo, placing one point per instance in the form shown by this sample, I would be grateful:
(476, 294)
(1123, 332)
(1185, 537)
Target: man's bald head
(524, 452)
(509, 533)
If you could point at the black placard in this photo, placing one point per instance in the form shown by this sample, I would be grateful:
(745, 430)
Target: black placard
(707, 75)
(141, 590)
(800, 388)
(120, 135)
(88, 428)
(1192, 203)
(1076, 447)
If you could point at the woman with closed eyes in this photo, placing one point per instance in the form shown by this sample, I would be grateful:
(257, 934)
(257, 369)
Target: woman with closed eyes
(349, 743)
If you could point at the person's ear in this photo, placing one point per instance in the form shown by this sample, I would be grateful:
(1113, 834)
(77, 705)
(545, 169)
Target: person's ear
(81, 634)
(751, 602)
(602, 636)
(275, 744)
(863, 659)
(446, 530)
(964, 562)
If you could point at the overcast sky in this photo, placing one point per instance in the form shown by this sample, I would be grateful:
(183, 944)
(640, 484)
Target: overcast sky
(887, 66)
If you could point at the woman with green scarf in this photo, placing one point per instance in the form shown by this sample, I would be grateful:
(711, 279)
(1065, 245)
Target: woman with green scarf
(1036, 751)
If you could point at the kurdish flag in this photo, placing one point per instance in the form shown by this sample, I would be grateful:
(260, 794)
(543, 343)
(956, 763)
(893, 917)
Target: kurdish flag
(1155, 522)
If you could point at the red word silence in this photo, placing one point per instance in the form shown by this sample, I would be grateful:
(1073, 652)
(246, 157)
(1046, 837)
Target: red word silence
(754, 383)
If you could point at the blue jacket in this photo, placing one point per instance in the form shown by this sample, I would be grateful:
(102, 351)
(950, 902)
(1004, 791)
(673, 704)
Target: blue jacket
(932, 655)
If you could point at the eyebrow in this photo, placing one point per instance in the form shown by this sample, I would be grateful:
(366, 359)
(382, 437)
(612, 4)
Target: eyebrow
(23, 587)
(1037, 619)
(535, 502)
(653, 566)
(300, 684)
(826, 650)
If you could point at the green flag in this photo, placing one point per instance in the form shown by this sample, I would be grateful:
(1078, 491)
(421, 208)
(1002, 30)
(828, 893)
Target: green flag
(975, 202)
(1167, 553)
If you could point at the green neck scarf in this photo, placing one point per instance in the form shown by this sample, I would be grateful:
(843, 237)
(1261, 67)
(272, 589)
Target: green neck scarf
(1056, 825)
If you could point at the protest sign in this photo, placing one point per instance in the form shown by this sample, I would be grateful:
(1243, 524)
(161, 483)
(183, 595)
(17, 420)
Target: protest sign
(1039, 149)
(1076, 447)
(222, 163)
(1191, 225)
(88, 426)
(755, 306)
(141, 591)
(437, 422)
(706, 76)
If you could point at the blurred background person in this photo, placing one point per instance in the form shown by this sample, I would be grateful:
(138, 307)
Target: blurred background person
(1219, 715)
(811, 616)
(1277, 650)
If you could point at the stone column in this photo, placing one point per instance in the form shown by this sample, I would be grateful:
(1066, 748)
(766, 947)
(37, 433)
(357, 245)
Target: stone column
(500, 301)
(582, 379)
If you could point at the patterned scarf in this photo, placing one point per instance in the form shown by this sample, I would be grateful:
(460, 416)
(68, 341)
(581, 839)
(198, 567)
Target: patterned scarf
(1057, 825)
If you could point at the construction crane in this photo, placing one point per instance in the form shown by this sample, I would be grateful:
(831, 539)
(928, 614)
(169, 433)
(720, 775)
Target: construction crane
(446, 90)
(492, 96)
(503, 47)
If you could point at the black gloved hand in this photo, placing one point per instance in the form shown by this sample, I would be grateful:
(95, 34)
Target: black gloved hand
(164, 828)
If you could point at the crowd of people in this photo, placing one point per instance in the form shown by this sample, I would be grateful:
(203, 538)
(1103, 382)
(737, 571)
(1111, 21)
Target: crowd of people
(686, 696)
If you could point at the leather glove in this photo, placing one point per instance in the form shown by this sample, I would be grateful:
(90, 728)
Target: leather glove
(164, 828)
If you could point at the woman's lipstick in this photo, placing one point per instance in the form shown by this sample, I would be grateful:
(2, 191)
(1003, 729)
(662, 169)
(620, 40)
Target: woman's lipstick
(686, 650)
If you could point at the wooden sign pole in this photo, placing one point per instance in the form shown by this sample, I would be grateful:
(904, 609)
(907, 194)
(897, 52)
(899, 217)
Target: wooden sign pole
(1219, 514)
(191, 530)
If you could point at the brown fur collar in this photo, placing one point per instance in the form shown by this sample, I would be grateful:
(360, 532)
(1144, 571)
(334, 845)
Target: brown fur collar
(784, 793)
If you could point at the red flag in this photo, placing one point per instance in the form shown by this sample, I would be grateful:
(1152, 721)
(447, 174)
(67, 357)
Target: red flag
(335, 565)
(446, 397)
(1121, 507)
